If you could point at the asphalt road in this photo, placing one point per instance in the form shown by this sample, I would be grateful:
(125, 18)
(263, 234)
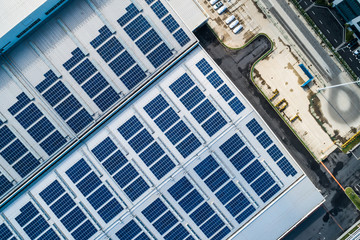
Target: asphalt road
(337, 209)
(351, 59)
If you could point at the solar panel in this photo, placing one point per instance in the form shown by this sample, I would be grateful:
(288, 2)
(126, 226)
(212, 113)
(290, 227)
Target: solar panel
(156, 106)
(85, 231)
(148, 41)
(215, 180)
(80, 121)
(23, 100)
(6, 136)
(132, 77)
(105, 33)
(261, 184)
(159, 55)
(207, 166)
(27, 212)
(36, 227)
(99, 197)
(5, 184)
(245, 214)
(83, 71)
(251, 172)
(286, 167)
(104, 149)
(68, 107)
(41, 129)
(49, 234)
(254, 126)
(13, 151)
(110, 210)
(130, 127)
(50, 78)
(264, 139)
(215, 79)
(26, 164)
(115, 162)
(136, 188)
(166, 119)
(181, 85)
(29, 115)
(227, 192)
(89, 183)
(129, 231)
(132, 11)
(73, 219)
(141, 140)
(159, 9)
(274, 152)
(52, 192)
(242, 158)
(270, 193)
(191, 201)
(202, 213)
(188, 145)
(162, 167)
(236, 105)
(149, 1)
(178, 232)
(203, 111)
(170, 23)
(77, 56)
(238, 204)
(220, 235)
(225, 92)
(214, 124)
(211, 226)
(78, 170)
(177, 132)
(5, 232)
(204, 66)
(232, 145)
(137, 27)
(181, 37)
(95, 85)
(151, 154)
(165, 222)
(52, 143)
(110, 49)
(106, 99)
(192, 98)
(121, 63)
(125, 175)
(154, 210)
(62, 205)
(180, 188)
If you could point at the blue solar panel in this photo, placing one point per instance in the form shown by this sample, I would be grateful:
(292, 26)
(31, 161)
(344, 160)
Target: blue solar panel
(129, 231)
(254, 127)
(94, 85)
(121, 63)
(156, 106)
(80, 120)
(262, 183)
(23, 100)
(78, 170)
(159, 55)
(242, 158)
(125, 175)
(180, 188)
(77, 56)
(162, 167)
(238, 204)
(5, 232)
(215, 79)
(110, 49)
(50, 78)
(83, 71)
(181, 85)
(85, 231)
(89, 183)
(181, 37)
(36, 227)
(226, 92)
(274, 152)
(104, 149)
(106, 99)
(214, 124)
(6, 136)
(5, 184)
(52, 192)
(115, 162)
(28, 212)
(232, 145)
(62, 205)
(142, 236)
(254, 170)
(166, 119)
(170, 23)
(286, 167)
(203, 111)
(264, 139)
(137, 27)
(99, 197)
(29, 115)
(41, 129)
(270, 193)
(215, 180)
(148, 41)
(202, 213)
(220, 235)
(159, 9)
(177, 132)
(204, 66)
(105, 33)
(191, 201)
(207, 166)
(151, 154)
(227, 192)
(68, 107)
(14, 151)
(177, 233)
(49, 234)
(165, 222)
(192, 98)
(136, 188)
(211, 226)
(73, 219)
(132, 77)
(149, 1)
(110, 210)
(188, 145)
(236, 105)
(154, 210)
(245, 214)
(141, 140)
(52, 143)
(26, 164)
(132, 11)
(130, 127)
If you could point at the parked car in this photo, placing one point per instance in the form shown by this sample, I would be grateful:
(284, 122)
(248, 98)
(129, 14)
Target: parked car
(233, 24)
(222, 10)
(218, 5)
(238, 29)
(230, 19)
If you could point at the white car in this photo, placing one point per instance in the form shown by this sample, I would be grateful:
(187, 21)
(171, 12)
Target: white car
(238, 29)
(233, 24)
(212, 2)
(218, 5)
(221, 10)
(229, 19)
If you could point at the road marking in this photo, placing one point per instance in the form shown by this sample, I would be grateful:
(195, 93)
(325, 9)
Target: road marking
(327, 30)
(320, 21)
(357, 68)
(350, 59)
(332, 176)
(313, 12)
(335, 40)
